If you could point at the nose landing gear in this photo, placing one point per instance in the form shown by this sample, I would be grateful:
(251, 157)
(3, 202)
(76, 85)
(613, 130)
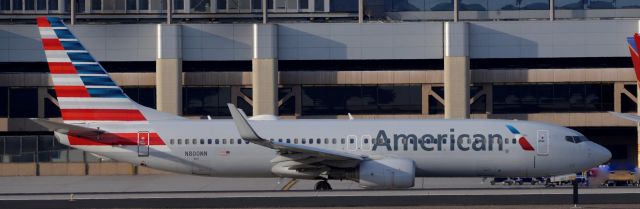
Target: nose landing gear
(323, 185)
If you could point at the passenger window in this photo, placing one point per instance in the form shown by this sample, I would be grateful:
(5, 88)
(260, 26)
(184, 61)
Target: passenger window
(279, 140)
(295, 141)
(513, 141)
(217, 141)
(569, 139)
(310, 141)
(171, 141)
(288, 140)
(230, 141)
(208, 141)
(342, 141)
(351, 141)
(326, 140)
(506, 141)
(179, 141)
(224, 141)
(186, 141)
(334, 141)
(577, 139)
(304, 141)
(195, 141)
(366, 141)
(201, 141)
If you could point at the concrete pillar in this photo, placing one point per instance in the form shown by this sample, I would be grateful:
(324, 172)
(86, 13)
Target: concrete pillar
(169, 69)
(456, 70)
(265, 8)
(360, 11)
(169, 11)
(264, 74)
(552, 10)
(456, 10)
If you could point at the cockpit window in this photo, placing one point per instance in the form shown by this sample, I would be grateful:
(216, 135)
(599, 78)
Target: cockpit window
(576, 139)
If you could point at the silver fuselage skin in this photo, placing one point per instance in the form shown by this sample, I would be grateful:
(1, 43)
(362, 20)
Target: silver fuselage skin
(478, 147)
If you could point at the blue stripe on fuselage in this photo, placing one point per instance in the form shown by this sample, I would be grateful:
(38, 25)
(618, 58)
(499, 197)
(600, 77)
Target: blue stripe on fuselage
(513, 129)
(80, 57)
(72, 45)
(106, 93)
(63, 33)
(97, 81)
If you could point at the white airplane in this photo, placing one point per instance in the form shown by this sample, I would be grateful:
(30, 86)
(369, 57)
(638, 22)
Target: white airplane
(377, 154)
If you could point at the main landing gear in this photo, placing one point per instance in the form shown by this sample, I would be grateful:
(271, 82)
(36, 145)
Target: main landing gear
(323, 185)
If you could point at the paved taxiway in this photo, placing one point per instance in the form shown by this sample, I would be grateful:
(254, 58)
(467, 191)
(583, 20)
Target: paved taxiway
(178, 191)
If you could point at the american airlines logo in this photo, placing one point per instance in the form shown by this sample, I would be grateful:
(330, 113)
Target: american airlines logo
(439, 142)
(449, 141)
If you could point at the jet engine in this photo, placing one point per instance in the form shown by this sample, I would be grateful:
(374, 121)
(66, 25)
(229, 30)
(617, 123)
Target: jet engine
(389, 173)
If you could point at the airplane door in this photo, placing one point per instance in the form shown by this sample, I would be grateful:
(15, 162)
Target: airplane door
(542, 141)
(143, 144)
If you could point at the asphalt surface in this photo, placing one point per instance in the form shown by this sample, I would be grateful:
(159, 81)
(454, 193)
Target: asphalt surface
(177, 191)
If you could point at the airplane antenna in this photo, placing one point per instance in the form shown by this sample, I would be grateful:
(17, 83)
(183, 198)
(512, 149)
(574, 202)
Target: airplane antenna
(350, 116)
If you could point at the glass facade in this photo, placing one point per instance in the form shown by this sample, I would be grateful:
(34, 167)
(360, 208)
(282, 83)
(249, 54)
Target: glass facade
(344, 6)
(4, 101)
(508, 99)
(144, 95)
(40, 149)
(626, 103)
(23, 102)
(340, 100)
(203, 101)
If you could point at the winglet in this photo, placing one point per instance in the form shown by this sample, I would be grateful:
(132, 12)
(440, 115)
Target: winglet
(630, 117)
(244, 128)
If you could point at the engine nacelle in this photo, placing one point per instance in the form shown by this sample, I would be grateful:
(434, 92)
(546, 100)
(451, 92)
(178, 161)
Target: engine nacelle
(390, 173)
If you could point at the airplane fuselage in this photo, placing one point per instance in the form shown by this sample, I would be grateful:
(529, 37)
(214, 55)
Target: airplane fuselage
(438, 147)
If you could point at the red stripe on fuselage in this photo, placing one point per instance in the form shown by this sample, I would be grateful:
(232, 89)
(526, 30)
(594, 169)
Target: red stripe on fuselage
(62, 68)
(102, 114)
(525, 144)
(52, 44)
(71, 91)
(43, 22)
(115, 139)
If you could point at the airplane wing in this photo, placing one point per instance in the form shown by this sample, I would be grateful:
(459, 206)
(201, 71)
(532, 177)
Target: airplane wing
(627, 116)
(65, 128)
(248, 133)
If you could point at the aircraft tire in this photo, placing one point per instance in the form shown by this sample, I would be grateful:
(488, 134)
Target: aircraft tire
(322, 186)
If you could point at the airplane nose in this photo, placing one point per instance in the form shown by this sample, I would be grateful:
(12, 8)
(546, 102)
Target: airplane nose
(600, 154)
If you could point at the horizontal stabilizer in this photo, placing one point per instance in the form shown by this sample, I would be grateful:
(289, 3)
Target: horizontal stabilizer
(65, 128)
(627, 116)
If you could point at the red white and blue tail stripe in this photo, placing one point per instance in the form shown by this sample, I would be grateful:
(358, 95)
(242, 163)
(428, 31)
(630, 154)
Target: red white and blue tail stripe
(85, 92)
(635, 57)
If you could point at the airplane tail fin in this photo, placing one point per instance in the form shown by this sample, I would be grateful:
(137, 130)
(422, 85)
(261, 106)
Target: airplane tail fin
(85, 91)
(634, 42)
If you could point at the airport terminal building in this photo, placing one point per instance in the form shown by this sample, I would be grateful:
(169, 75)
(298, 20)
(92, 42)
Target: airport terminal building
(558, 61)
